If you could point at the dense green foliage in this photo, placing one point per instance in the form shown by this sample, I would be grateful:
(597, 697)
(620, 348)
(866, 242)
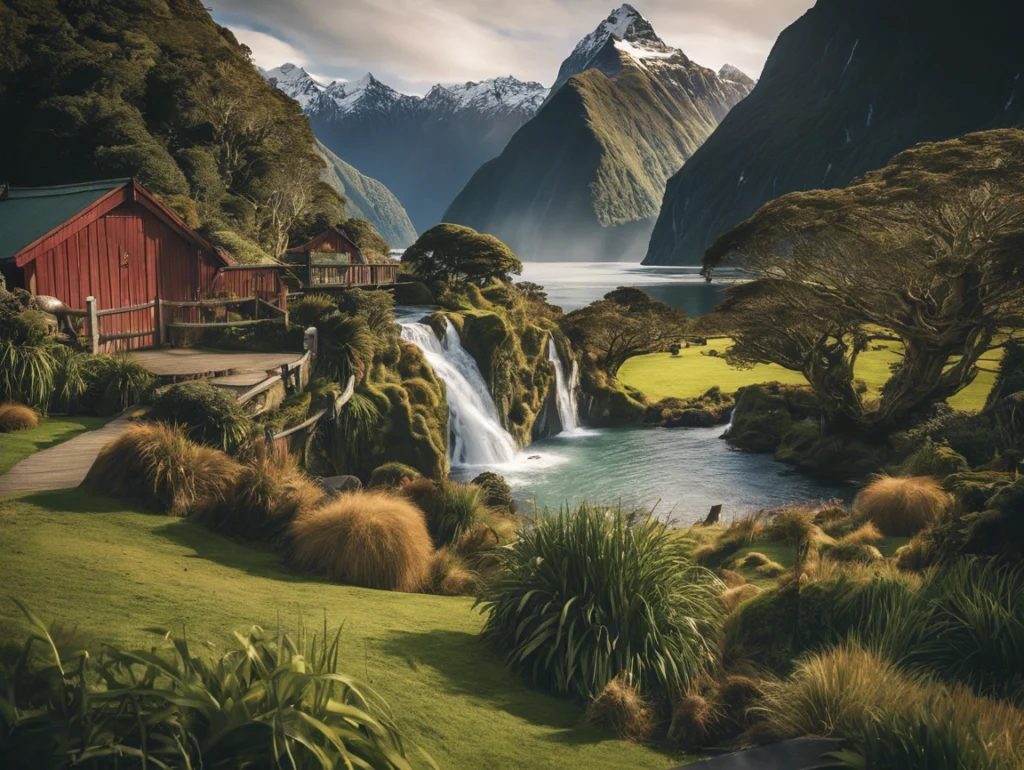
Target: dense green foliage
(455, 253)
(272, 701)
(156, 90)
(208, 414)
(625, 323)
(370, 242)
(589, 594)
(931, 256)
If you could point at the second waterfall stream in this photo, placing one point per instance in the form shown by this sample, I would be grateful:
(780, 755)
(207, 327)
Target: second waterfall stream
(475, 434)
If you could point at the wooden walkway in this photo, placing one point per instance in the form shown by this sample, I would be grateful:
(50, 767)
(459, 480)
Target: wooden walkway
(193, 363)
(65, 465)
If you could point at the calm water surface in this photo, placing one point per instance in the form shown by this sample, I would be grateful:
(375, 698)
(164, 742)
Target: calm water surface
(681, 471)
(571, 285)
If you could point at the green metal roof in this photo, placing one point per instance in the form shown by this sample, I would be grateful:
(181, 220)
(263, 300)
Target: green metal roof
(29, 213)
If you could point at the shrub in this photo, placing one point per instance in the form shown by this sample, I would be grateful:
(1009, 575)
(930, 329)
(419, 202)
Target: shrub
(371, 539)
(69, 377)
(453, 509)
(915, 555)
(901, 506)
(589, 594)
(933, 460)
(208, 414)
(157, 465)
(276, 701)
(894, 719)
(449, 575)
(345, 348)
(312, 310)
(268, 494)
(392, 475)
(621, 707)
(26, 359)
(734, 597)
(113, 383)
(15, 417)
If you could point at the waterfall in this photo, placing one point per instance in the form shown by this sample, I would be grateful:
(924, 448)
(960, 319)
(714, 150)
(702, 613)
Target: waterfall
(475, 435)
(565, 389)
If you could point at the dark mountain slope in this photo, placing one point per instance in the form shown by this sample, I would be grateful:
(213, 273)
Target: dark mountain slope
(845, 88)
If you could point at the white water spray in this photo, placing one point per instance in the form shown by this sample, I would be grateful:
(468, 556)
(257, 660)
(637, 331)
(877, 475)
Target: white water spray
(475, 435)
(565, 390)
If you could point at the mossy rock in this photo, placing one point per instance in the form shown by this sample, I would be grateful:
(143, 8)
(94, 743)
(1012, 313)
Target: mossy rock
(498, 494)
(763, 415)
(797, 442)
(392, 475)
(974, 491)
(933, 459)
(421, 392)
(413, 293)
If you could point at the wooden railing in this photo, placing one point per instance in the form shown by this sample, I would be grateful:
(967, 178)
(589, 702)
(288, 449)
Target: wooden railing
(329, 276)
(129, 327)
(300, 438)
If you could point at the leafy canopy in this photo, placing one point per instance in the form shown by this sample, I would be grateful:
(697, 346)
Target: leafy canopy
(452, 252)
(625, 323)
(927, 248)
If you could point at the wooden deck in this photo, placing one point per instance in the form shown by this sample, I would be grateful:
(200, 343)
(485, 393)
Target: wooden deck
(65, 465)
(192, 363)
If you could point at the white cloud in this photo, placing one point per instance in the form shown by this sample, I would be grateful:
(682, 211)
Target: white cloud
(412, 44)
(268, 51)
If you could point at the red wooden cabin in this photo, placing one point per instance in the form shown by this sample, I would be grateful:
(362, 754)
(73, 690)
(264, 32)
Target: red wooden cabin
(114, 241)
(333, 260)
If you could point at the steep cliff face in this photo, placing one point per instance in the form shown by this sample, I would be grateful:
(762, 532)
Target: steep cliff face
(845, 88)
(368, 199)
(584, 178)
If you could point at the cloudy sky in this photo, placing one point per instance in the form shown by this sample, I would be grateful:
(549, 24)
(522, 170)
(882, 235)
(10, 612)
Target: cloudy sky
(412, 44)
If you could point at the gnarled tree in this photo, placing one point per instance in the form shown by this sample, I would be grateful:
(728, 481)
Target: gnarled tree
(625, 323)
(449, 252)
(931, 249)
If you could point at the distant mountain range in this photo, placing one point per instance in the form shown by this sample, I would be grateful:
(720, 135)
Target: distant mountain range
(423, 149)
(845, 88)
(584, 178)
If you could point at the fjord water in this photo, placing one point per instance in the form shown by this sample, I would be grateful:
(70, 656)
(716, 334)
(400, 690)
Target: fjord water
(680, 472)
(571, 285)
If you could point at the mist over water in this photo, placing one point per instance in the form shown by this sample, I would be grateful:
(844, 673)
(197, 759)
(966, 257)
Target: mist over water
(572, 285)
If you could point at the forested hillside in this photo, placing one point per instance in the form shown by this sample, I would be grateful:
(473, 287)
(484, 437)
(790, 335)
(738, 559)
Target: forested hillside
(156, 90)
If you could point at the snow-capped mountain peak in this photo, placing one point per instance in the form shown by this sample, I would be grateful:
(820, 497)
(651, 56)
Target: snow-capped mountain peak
(496, 95)
(295, 82)
(625, 30)
(735, 75)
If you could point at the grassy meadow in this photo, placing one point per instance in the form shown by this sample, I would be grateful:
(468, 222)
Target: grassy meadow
(94, 563)
(692, 372)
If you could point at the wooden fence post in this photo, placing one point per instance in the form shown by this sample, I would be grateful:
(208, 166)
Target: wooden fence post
(309, 341)
(94, 325)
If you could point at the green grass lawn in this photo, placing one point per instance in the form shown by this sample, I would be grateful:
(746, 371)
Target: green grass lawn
(662, 375)
(50, 432)
(86, 561)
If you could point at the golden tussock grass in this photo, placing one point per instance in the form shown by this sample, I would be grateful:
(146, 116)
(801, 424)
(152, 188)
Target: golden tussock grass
(752, 560)
(372, 539)
(731, 578)
(770, 569)
(732, 598)
(449, 575)
(693, 718)
(621, 707)
(901, 506)
(160, 467)
(15, 417)
(269, 492)
(915, 555)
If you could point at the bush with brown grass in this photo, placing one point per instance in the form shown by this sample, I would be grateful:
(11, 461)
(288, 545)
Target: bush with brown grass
(901, 506)
(621, 707)
(731, 578)
(371, 538)
(752, 560)
(855, 546)
(894, 719)
(693, 721)
(771, 570)
(915, 555)
(449, 575)
(269, 492)
(733, 597)
(157, 465)
(15, 417)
